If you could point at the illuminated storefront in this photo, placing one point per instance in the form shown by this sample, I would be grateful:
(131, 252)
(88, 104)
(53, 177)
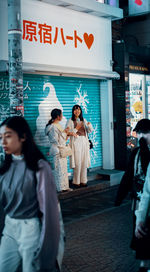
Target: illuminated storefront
(137, 101)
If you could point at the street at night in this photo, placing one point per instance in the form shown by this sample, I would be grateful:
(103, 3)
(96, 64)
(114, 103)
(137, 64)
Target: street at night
(98, 234)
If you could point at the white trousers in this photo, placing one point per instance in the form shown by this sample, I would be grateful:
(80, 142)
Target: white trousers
(19, 242)
(81, 157)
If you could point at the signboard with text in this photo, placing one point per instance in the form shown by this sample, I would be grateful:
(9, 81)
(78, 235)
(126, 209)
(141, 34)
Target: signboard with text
(53, 35)
(138, 6)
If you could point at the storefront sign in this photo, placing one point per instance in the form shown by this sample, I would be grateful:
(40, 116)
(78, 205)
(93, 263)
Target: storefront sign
(138, 68)
(34, 32)
(138, 6)
(56, 36)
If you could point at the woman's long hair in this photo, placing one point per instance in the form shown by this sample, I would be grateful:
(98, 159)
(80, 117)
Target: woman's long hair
(145, 154)
(29, 149)
(81, 114)
(54, 114)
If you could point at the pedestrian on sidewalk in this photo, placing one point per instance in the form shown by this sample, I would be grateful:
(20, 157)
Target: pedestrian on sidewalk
(57, 138)
(142, 230)
(80, 159)
(133, 182)
(29, 214)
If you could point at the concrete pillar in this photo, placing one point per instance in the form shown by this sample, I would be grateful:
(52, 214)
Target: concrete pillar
(15, 58)
(107, 124)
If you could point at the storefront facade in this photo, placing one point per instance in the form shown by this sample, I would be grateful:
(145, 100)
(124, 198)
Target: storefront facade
(137, 100)
(131, 55)
(67, 58)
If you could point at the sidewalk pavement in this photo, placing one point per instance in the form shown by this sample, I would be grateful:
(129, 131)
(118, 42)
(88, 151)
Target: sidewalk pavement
(98, 234)
(98, 180)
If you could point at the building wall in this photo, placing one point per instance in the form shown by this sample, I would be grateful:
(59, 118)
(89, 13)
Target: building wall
(139, 29)
(119, 107)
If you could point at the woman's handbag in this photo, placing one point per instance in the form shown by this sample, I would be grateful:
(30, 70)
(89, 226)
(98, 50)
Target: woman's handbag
(65, 151)
(91, 144)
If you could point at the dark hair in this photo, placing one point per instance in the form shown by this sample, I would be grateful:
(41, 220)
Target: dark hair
(81, 114)
(145, 154)
(54, 114)
(29, 149)
(143, 126)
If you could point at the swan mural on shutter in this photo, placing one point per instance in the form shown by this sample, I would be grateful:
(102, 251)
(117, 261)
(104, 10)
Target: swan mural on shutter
(45, 107)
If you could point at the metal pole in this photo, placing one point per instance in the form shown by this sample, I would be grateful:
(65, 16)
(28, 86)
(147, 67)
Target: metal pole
(15, 58)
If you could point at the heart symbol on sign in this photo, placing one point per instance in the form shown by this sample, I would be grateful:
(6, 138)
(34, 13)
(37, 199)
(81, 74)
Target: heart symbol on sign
(89, 39)
(138, 2)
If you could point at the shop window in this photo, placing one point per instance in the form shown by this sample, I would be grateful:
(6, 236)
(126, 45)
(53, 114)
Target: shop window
(148, 97)
(114, 3)
(135, 106)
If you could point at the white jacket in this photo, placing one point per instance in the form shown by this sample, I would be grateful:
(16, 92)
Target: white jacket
(88, 129)
(56, 139)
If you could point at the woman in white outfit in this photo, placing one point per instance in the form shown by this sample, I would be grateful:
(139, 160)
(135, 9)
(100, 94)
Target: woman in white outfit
(57, 138)
(80, 159)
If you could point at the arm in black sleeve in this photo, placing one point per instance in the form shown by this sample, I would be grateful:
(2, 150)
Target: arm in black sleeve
(127, 180)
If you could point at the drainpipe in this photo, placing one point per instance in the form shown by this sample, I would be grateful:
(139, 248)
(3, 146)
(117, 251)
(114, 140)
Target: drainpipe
(15, 58)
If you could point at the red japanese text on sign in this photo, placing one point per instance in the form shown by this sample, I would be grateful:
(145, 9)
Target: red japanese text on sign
(45, 33)
(29, 30)
(32, 31)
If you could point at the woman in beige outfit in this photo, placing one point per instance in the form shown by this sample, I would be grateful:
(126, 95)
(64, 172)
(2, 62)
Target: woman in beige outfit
(57, 138)
(80, 159)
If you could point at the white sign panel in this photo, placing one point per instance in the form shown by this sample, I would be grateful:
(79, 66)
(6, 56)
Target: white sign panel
(58, 36)
(138, 6)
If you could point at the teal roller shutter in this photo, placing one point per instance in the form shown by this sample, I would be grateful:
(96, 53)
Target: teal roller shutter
(42, 93)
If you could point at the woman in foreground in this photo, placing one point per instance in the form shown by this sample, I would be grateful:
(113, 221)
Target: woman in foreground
(29, 216)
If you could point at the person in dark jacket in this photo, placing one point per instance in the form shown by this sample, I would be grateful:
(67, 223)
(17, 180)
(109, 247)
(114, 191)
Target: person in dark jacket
(29, 214)
(133, 181)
